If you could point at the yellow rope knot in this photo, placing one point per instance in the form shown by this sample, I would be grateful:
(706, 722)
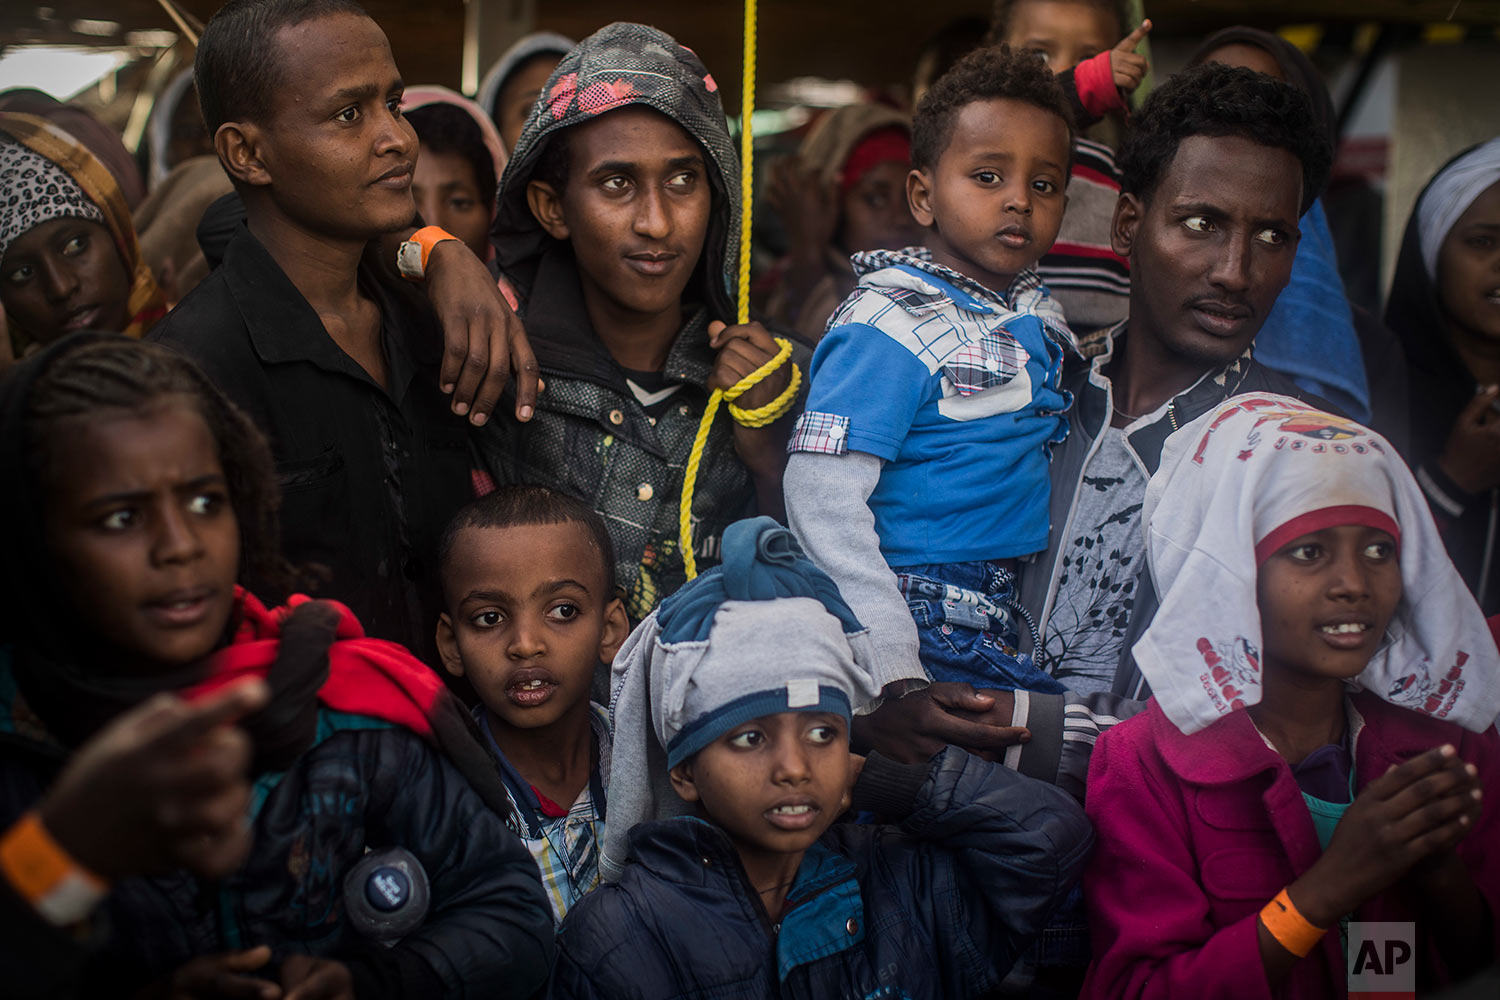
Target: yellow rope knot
(777, 408)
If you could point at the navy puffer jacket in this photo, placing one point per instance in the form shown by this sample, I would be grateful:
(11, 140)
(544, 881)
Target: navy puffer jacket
(487, 934)
(937, 906)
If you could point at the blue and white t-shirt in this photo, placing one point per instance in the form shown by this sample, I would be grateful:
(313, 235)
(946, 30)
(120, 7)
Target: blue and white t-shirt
(958, 390)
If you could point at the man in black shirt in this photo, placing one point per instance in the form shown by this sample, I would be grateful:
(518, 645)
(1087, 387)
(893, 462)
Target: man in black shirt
(337, 366)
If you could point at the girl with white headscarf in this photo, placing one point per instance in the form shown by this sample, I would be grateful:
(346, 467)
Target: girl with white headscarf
(1445, 307)
(1325, 694)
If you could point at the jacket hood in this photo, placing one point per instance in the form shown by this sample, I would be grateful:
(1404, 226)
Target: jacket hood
(621, 65)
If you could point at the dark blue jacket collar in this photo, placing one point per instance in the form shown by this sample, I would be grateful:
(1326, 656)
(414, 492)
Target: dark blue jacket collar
(825, 910)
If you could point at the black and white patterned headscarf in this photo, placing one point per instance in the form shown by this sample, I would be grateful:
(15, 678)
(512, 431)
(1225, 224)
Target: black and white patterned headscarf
(36, 190)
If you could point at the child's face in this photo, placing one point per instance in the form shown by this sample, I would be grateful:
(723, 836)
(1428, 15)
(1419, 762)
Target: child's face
(993, 202)
(146, 541)
(1211, 247)
(530, 617)
(1065, 33)
(774, 784)
(875, 213)
(1469, 268)
(1326, 598)
(64, 275)
(334, 149)
(522, 88)
(636, 209)
(447, 195)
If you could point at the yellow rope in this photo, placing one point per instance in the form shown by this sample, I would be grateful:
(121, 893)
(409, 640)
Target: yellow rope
(777, 408)
(747, 193)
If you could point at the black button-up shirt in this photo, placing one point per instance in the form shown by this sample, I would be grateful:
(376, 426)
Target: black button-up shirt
(369, 475)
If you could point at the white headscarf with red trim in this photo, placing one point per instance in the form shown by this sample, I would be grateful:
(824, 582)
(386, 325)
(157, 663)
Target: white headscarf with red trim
(1242, 481)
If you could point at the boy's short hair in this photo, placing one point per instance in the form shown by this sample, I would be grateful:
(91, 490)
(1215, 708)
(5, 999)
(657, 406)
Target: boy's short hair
(443, 128)
(514, 506)
(236, 69)
(1215, 100)
(987, 74)
(1001, 11)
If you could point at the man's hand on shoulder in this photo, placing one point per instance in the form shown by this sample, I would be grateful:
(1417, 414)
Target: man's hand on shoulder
(484, 343)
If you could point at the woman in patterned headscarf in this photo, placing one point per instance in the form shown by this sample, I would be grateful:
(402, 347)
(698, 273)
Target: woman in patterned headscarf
(62, 216)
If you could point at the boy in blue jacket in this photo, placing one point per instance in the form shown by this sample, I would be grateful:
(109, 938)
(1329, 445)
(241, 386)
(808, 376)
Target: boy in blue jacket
(731, 707)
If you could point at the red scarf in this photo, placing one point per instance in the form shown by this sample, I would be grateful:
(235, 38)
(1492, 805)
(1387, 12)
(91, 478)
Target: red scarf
(370, 677)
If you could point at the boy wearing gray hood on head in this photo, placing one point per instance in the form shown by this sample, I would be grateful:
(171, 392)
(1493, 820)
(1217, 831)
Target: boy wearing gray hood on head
(511, 87)
(617, 231)
(731, 707)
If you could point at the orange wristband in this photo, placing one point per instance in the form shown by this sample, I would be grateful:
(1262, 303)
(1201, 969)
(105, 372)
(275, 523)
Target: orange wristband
(45, 875)
(411, 259)
(428, 237)
(1289, 927)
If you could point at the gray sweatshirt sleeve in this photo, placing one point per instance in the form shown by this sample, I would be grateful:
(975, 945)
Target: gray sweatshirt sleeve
(827, 506)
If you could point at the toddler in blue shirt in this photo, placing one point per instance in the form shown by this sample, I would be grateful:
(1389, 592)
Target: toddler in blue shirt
(919, 471)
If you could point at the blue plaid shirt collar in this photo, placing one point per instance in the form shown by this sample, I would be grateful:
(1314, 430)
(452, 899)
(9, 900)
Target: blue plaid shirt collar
(920, 259)
(1025, 294)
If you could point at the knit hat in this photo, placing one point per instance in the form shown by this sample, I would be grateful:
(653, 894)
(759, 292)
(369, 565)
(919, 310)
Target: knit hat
(1242, 481)
(765, 632)
(36, 190)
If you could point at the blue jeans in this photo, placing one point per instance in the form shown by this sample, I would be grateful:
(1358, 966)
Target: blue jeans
(967, 616)
(968, 625)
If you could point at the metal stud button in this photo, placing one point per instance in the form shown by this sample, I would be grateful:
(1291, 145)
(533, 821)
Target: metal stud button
(644, 492)
(616, 417)
(852, 926)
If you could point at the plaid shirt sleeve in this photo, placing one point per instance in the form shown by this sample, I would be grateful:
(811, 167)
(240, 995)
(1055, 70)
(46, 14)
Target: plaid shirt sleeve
(866, 388)
(822, 433)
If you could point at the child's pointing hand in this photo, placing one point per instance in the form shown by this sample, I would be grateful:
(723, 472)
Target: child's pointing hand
(1129, 67)
(164, 785)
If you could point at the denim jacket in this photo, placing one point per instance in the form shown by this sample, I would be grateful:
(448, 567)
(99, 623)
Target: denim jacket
(592, 439)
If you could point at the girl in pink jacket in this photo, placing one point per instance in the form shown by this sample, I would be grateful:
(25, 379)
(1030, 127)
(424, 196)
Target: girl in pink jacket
(1321, 732)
